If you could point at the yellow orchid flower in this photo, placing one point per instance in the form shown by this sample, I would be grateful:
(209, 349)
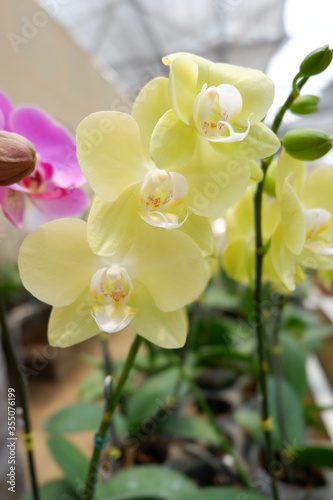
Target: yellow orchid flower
(221, 103)
(238, 258)
(304, 237)
(113, 152)
(146, 287)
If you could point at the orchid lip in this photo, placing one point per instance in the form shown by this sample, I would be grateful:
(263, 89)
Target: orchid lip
(111, 289)
(215, 108)
(161, 191)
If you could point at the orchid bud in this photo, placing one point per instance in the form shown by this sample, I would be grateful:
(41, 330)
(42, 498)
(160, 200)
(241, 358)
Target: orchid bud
(17, 158)
(306, 143)
(305, 104)
(270, 180)
(316, 62)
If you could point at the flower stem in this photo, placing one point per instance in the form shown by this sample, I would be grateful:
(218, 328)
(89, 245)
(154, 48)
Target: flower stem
(260, 333)
(110, 407)
(20, 387)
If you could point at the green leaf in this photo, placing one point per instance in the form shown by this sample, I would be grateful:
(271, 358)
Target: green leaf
(292, 360)
(71, 461)
(221, 493)
(226, 356)
(191, 427)
(321, 456)
(145, 482)
(294, 420)
(92, 387)
(249, 420)
(154, 395)
(60, 488)
(75, 418)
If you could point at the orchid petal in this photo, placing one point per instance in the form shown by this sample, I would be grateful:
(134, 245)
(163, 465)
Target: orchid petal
(110, 153)
(52, 141)
(13, 205)
(282, 259)
(260, 142)
(293, 219)
(215, 181)
(173, 142)
(72, 324)
(111, 225)
(56, 263)
(256, 89)
(317, 192)
(200, 230)
(150, 105)
(169, 264)
(287, 165)
(165, 329)
(238, 260)
(183, 89)
(6, 107)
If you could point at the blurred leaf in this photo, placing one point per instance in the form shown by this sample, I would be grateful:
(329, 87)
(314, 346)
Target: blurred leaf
(292, 359)
(292, 412)
(321, 456)
(92, 387)
(221, 493)
(60, 488)
(220, 299)
(89, 360)
(71, 461)
(224, 356)
(249, 420)
(147, 482)
(75, 418)
(153, 395)
(191, 427)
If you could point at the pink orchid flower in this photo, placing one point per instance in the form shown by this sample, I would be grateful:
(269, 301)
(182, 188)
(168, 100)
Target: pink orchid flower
(53, 188)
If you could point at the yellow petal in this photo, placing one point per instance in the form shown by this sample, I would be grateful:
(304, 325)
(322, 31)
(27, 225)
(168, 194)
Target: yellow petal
(165, 329)
(169, 264)
(110, 153)
(260, 142)
(173, 142)
(200, 230)
(318, 193)
(215, 182)
(111, 225)
(238, 260)
(150, 105)
(72, 324)
(293, 219)
(287, 165)
(256, 89)
(183, 87)
(282, 259)
(56, 263)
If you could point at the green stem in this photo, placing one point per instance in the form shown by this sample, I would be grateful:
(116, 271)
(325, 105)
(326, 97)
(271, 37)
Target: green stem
(110, 407)
(260, 333)
(20, 387)
(290, 99)
(207, 410)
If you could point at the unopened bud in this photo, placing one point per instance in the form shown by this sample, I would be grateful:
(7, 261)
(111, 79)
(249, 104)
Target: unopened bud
(17, 158)
(306, 143)
(305, 104)
(316, 62)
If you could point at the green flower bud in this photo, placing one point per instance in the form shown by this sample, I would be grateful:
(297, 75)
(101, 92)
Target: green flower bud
(316, 62)
(305, 104)
(269, 185)
(307, 143)
(17, 158)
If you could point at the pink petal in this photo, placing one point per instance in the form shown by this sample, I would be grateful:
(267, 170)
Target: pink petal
(52, 141)
(70, 205)
(6, 108)
(13, 204)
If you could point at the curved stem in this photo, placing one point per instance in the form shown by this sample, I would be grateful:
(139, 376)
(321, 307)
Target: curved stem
(20, 387)
(110, 407)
